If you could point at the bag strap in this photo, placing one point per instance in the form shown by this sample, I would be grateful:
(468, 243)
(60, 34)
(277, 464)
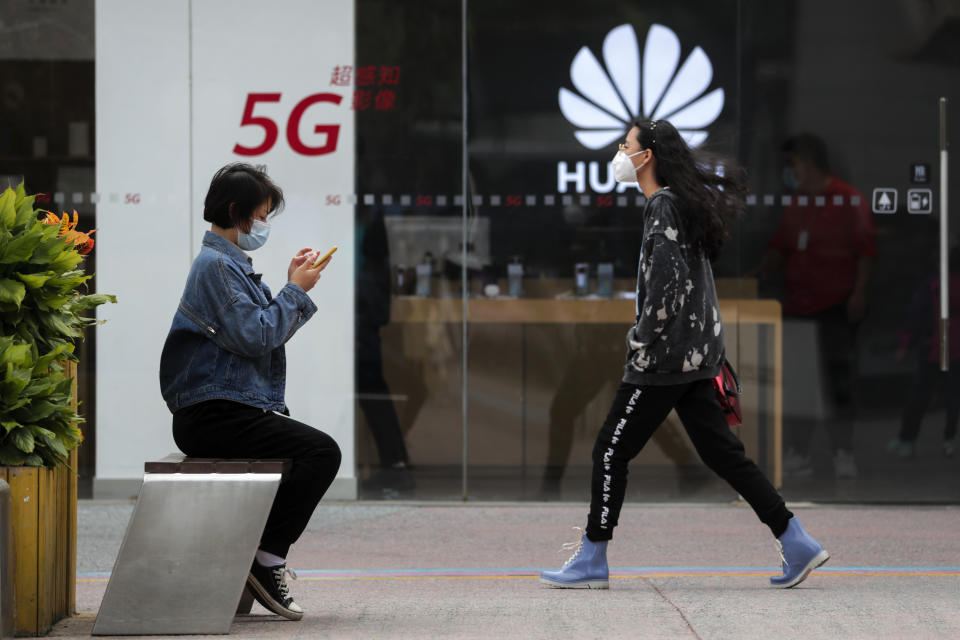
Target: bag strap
(728, 368)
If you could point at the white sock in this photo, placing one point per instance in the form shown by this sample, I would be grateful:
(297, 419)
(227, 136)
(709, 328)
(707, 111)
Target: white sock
(267, 559)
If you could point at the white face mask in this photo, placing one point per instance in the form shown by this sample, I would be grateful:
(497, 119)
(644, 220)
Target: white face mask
(623, 169)
(256, 238)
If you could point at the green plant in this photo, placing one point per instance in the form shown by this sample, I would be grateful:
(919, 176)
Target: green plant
(41, 317)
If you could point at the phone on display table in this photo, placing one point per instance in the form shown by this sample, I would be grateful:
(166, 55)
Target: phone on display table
(327, 255)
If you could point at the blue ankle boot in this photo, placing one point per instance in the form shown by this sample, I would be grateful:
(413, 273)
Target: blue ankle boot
(799, 554)
(586, 569)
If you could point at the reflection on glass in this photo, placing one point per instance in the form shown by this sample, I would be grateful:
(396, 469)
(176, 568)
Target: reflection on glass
(372, 313)
(824, 247)
(551, 251)
(920, 335)
(408, 354)
(47, 141)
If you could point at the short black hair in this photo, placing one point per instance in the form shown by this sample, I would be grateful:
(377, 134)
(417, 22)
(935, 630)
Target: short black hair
(810, 148)
(245, 187)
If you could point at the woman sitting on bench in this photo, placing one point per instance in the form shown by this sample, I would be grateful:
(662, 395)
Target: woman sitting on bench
(223, 369)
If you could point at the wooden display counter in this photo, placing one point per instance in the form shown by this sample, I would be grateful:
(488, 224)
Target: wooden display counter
(753, 331)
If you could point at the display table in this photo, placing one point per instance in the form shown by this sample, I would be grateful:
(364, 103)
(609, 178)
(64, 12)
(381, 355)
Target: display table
(748, 324)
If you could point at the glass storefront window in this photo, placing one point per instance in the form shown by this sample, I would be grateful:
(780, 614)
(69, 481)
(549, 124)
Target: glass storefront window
(47, 138)
(459, 155)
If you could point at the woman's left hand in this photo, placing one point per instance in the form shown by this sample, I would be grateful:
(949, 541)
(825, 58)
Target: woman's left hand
(302, 256)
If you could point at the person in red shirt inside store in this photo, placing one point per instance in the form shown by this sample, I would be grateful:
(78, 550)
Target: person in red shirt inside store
(825, 246)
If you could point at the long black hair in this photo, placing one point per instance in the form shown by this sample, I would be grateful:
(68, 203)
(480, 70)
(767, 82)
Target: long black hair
(711, 191)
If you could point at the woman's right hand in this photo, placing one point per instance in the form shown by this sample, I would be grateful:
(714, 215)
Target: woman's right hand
(305, 276)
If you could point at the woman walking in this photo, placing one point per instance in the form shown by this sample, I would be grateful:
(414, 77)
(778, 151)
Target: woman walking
(223, 367)
(675, 348)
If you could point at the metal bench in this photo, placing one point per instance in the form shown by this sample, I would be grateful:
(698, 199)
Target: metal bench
(183, 564)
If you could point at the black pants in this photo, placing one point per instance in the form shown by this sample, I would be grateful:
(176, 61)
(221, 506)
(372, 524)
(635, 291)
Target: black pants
(224, 429)
(925, 384)
(836, 339)
(586, 374)
(636, 413)
(375, 400)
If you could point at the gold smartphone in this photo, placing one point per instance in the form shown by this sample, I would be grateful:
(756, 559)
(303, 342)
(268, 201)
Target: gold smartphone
(328, 254)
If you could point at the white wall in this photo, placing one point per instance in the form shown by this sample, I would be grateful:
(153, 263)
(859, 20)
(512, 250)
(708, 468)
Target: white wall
(153, 82)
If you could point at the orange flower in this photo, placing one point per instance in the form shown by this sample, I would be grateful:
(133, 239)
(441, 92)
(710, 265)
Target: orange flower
(82, 241)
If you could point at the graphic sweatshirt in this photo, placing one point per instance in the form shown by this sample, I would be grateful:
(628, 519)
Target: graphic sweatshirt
(677, 336)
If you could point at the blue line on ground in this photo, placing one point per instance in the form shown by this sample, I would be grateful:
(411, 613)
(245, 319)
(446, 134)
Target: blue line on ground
(530, 570)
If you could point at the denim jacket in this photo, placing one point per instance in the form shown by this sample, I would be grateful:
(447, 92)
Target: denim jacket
(227, 337)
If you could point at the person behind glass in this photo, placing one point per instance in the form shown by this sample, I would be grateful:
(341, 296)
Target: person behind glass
(373, 312)
(825, 249)
(675, 348)
(922, 332)
(223, 368)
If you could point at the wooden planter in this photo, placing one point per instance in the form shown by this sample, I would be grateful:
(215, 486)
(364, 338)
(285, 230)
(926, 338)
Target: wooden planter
(44, 516)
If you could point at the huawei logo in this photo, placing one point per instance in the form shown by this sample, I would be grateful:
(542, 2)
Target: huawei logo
(611, 96)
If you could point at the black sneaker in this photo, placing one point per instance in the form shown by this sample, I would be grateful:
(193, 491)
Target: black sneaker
(269, 587)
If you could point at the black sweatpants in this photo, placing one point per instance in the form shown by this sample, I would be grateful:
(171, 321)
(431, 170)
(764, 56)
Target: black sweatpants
(636, 413)
(837, 343)
(225, 429)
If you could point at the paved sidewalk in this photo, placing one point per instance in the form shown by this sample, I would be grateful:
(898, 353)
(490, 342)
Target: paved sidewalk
(429, 570)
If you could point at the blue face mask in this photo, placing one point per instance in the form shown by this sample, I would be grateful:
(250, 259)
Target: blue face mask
(259, 232)
(789, 179)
